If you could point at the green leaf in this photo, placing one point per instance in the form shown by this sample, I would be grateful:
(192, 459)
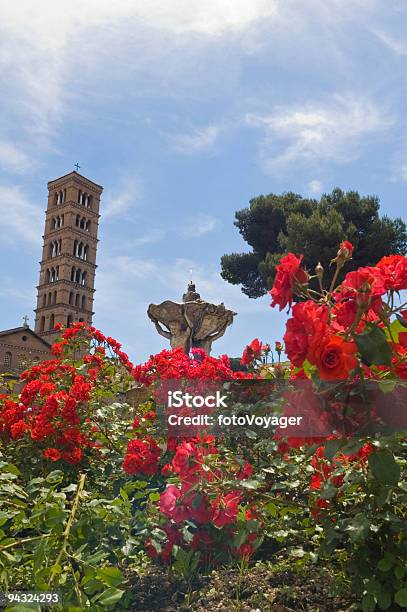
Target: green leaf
(368, 603)
(384, 467)
(111, 576)
(153, 497)
(387, 386)
(399, 572)
(401, 597)
(395, 329)
(332, 447)
(402, 321)
(383, 600)
(373, 347)
(386, 563)
(55, 477)
(250, 484)
(110, 597)
(9, 467)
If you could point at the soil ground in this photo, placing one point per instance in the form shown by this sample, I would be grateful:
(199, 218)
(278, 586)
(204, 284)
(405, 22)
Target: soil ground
(262, 587)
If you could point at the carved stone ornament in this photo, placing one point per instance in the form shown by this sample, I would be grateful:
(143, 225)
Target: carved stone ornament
(193, 323)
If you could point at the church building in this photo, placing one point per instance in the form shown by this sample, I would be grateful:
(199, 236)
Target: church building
(65, 291)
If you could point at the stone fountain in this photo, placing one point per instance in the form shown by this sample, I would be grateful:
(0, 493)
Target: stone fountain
(193, 323)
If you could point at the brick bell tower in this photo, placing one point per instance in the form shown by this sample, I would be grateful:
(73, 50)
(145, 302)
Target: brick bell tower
(68, 265)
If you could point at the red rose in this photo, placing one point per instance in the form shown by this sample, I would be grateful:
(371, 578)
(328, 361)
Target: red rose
(334, 358)
(305, 330)
(171, 504)
(74, 456)
(18, 429)
(394, 271)
(365, 286)
(52, 453)
(142, 457)
(345, 249)
(288, 274)
(198, 508)
(225, 509)
(252, 352)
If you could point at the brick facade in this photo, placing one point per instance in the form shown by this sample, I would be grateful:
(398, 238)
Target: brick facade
(68, 264)
(21, 347)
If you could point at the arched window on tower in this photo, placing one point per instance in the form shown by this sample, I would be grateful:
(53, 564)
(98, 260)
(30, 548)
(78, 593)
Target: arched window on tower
(87, 226)
(52, 322)
(84, 199)
(83, 305)
(42, 324)
(49, 299)
(83, 279)
(78, 275)
(85, 252)
(73, 272)
(7, 359)
(77, 299)
(54, 298)
(69, 320)
(48, 276)
(75, 248)
(71, 298)
(44, 300)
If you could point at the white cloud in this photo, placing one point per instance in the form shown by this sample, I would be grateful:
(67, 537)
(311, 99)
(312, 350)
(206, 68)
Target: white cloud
(318, 132)
(197, 226)
(402, 173)
(197, 141)
(122, 199)
(149, 237)
(315, 187)
(41, 42)
(129, 267)
(12, 158)
(397, 46)
(19, 218)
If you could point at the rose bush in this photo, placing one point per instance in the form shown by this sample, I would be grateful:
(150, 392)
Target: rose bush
(94, 480)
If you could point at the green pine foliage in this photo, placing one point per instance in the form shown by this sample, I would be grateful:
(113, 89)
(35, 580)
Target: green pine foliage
(274, 225)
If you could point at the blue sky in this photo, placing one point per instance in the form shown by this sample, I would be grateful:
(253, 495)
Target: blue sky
(185, 110)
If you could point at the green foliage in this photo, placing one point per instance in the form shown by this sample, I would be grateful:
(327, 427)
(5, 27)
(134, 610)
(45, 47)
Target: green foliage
(373, 347)
(77, 533)
(276, 224)
(370, 525)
